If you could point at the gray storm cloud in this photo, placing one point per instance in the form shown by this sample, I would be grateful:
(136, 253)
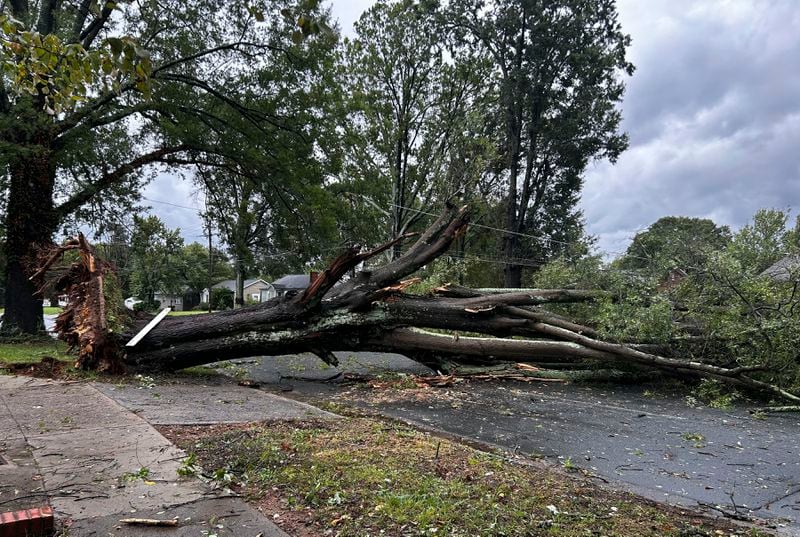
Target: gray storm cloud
(713, 113)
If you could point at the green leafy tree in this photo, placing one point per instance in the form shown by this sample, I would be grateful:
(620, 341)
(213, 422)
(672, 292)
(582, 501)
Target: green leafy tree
(764, 241)
(156, 261)
(194, 263)
(242, 213)
(266, 193)
(557, 67)
(413, 125)
(675, 242)
(751, 318)
(633, 309)
(92, 94)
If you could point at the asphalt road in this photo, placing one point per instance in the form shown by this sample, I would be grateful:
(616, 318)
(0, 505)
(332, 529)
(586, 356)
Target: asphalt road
(636, 437)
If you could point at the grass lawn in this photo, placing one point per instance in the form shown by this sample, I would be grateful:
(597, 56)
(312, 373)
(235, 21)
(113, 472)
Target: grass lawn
(182, 313)
(33, 352)
(363, 476)
(47, 310)
(55, 311)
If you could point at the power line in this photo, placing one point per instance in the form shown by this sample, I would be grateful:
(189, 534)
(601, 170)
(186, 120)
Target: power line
(482, 226)
(196, 209)
(526, 235)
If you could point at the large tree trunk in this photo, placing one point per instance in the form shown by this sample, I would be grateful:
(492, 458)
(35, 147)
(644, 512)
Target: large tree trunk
(371, 311)
(30, 224)
(238, 296)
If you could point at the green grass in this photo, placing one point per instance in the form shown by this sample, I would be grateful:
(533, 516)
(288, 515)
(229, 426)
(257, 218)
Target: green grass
(33, 352)
(47, 310)
(182, 313)
(361, 476)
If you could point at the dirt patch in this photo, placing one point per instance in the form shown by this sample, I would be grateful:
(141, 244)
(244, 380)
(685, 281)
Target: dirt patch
(47, 367)
(364, 476)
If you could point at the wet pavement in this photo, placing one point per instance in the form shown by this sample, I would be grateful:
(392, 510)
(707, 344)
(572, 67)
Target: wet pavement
(634, 437)
(69, 446)
(204, 401)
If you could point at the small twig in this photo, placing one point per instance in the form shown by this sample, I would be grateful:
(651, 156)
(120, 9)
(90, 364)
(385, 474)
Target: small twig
(790, 408)
(149, 522)
(733, 502)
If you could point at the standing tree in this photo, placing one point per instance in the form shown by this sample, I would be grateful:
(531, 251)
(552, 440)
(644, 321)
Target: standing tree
(675, 242)
(155, 259)
(116, 249)
(242, 213)
(91, 94)
(412, 122)
(557, 66)
(194, 263)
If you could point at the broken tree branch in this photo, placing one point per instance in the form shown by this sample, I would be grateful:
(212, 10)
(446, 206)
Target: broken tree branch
(373, 311)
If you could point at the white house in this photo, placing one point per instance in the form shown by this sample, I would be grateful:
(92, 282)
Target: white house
(255, 290)
(169, 301)
(166, 300)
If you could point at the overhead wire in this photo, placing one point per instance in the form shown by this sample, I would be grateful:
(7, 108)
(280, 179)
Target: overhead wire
(198, 209)
(539, 238)
(523, 261)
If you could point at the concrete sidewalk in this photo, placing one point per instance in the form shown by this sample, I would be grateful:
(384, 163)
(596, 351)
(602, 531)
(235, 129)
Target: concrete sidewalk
(71, 446)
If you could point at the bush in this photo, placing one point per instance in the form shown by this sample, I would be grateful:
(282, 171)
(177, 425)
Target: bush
(221, 299)
(203, 306)
(147, 306)
(440, 272)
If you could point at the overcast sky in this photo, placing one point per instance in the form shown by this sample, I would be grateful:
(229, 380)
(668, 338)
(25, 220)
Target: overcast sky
(713, 114)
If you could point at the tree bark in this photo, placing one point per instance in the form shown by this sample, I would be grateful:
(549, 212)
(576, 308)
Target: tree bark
(30, 223)
(238, 296)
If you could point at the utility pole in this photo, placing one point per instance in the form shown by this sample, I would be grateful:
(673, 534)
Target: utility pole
(210, 264)
(210, 252)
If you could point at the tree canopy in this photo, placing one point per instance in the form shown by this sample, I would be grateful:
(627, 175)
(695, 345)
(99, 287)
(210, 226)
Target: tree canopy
(502, 104)
(558, 67)
(92, 95)
(675, 242)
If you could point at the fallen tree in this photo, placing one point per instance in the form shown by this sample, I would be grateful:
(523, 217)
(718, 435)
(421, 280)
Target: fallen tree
(372, 312)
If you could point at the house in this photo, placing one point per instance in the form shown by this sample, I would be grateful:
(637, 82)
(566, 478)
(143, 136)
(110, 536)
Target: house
(255, 290)
(169, 300)
(293, 283)
(784, 270)
(165, 300)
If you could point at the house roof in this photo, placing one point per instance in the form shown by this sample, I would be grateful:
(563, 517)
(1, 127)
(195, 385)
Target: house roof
(293, 281)
(230, 285)
(784, 270)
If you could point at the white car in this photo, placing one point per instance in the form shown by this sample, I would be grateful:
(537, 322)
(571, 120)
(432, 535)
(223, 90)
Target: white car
(130, 302)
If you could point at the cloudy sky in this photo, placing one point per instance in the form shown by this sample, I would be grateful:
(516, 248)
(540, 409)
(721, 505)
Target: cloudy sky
(713, 114)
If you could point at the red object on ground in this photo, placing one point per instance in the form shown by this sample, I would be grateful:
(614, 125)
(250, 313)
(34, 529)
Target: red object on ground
(27, 522)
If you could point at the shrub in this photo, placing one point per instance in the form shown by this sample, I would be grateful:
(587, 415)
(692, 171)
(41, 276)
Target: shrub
(147, 306)
(221, 299)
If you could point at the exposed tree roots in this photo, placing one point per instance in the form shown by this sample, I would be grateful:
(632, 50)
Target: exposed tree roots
(83, 324)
